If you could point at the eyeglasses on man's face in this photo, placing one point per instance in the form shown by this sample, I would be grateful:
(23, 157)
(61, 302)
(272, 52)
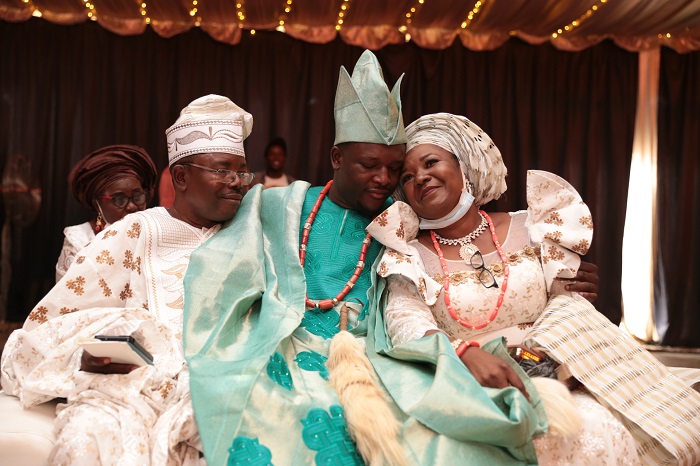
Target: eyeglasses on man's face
(221, 175)
(120, 201)
(485, 276)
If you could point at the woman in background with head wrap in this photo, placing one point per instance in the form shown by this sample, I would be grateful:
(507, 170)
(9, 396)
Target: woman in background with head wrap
(113, 181)
(492, 278)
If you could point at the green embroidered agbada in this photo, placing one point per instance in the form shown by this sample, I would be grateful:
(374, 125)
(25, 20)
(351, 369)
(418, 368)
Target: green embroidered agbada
(259, 384)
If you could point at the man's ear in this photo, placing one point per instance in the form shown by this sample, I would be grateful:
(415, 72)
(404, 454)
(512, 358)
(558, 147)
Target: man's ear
(177, 172)
(336, 156)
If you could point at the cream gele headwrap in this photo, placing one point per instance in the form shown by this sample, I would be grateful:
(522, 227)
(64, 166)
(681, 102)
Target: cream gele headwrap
(209, 124)
(365, 110)
(478, 156)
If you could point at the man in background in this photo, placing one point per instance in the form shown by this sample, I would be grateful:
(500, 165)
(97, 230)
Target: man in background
(275, 157)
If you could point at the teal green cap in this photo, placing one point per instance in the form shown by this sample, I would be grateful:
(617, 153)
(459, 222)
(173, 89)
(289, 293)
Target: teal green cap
(365, 110)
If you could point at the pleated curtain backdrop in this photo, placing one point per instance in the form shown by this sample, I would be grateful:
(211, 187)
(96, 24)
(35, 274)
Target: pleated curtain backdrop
(678, 203)
(67, 90)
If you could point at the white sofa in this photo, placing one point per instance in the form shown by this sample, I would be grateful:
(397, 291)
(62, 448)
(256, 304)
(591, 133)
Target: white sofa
(26, 435)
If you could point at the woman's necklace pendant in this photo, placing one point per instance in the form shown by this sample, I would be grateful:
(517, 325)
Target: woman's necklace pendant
(467, 251)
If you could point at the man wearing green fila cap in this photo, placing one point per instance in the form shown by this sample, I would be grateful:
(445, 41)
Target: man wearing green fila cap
(275, 378)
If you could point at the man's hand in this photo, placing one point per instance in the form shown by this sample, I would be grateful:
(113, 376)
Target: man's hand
(90, 363)
(586, 281)
(491, 371)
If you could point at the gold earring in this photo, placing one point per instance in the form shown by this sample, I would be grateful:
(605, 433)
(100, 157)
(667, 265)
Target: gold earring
(99, 223)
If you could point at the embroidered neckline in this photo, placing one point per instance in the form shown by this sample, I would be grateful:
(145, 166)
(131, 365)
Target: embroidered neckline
(446, 282)
(330, 302)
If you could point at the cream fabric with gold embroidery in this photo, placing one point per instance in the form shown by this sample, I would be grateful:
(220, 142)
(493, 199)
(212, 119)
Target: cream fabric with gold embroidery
(559, 221)
(660, 409)
(127, 280)
(540, 248)
(416, 304)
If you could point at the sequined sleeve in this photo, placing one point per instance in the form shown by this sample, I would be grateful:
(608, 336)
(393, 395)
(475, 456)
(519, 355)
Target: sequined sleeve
(407, 316)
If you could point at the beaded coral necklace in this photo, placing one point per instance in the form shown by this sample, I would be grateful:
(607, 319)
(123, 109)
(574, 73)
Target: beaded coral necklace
(446, 282)
(329, 303)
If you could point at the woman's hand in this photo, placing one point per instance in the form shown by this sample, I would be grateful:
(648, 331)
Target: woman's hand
(586, 281)
(90, 363)
(491, 371)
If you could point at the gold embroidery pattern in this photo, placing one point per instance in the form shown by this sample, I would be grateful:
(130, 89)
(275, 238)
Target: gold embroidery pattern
(381, 219)
(458, 278)
(126, 293)
(109, 233)
(398, 256)
(383, 269)
(38, 314)
(400, 233)
(105, 258)
(165, 389)
(130, 263)
(76, 285)
(525, 325)
(555, 219)
(527, 253)
(554, 254)
(135, 230)
(587, 221)
(80, 259)
(422, 288)
(581, 247)
(106, 290)
(145, 306)
(555, 236)
(64, 310)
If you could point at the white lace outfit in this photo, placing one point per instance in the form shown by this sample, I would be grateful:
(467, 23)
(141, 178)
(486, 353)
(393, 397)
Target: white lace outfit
(560, 222)
(75, 239)
(129, 279)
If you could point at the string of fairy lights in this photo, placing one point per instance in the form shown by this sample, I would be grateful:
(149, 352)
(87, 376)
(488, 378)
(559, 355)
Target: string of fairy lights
(91, 10)
(581, 19)
(194, 12)
(474, 11)
(283, 16)
(143, 9)
(344, 6)
(406, 18)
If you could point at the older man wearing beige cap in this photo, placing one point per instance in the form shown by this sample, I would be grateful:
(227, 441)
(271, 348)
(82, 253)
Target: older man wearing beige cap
(128, 282)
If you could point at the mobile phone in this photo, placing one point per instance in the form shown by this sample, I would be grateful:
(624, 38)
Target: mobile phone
(520, 354)
(131, 341)
(122, 349)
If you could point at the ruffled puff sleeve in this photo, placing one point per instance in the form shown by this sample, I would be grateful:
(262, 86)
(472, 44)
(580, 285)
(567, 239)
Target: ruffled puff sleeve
(410, 290)
(396, 228)
(559, 223)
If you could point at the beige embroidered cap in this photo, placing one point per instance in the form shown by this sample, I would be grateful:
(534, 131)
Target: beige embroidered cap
(209, 124)
(365, 110)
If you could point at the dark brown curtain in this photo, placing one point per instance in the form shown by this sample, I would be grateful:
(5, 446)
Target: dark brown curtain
(68, 90)
(679, 194)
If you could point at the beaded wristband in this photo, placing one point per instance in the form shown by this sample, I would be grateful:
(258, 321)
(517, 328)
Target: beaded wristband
(466, 344)
(456, 342)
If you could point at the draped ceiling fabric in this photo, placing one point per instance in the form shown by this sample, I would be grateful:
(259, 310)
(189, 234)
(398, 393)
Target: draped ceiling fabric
(433, 24)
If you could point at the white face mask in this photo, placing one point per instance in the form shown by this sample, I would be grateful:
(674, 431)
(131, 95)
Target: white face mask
(465, 202)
